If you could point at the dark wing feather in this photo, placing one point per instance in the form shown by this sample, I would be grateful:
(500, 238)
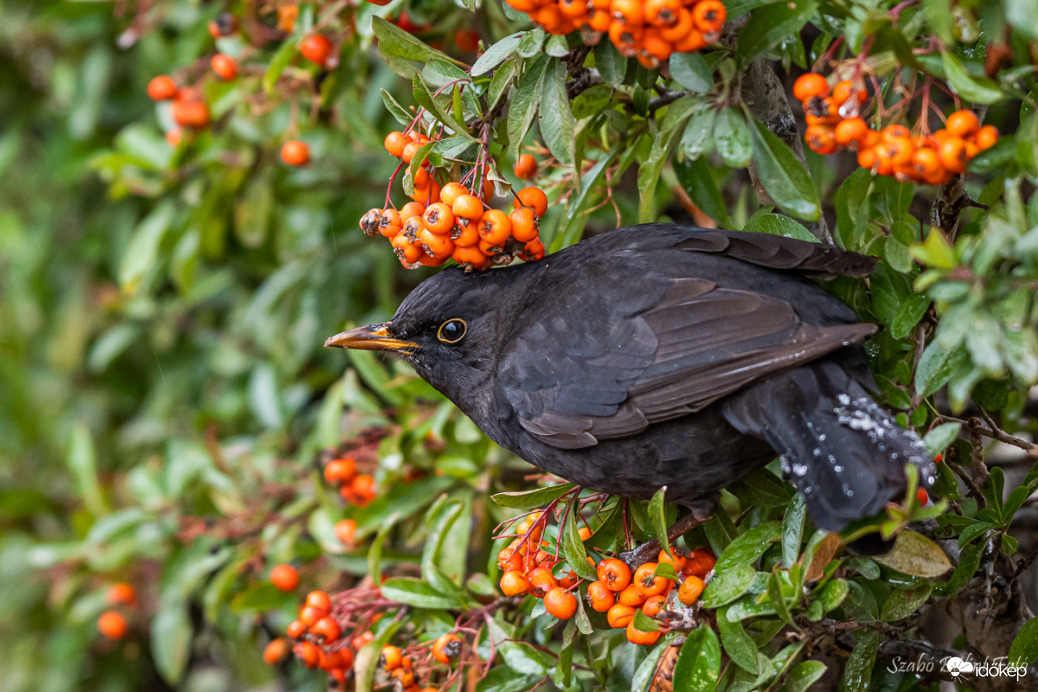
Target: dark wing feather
(697, 343)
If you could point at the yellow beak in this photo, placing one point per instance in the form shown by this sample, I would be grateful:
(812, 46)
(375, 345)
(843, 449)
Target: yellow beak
(374, 337)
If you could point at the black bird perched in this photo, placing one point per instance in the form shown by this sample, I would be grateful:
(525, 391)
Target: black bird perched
(665, 355)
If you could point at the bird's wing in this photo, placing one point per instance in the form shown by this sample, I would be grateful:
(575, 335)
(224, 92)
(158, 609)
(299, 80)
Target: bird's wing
(695, 344)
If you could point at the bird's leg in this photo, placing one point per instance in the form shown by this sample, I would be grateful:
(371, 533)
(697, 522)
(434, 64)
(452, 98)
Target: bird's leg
(648, 551)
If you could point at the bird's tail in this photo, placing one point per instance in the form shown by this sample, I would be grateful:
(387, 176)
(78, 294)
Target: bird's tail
(844, 453)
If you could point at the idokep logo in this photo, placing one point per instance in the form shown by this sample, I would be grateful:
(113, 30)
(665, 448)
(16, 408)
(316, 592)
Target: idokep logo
(965, 669)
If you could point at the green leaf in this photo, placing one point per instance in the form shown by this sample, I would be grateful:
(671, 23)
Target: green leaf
(252, 214)
(522, 109)
(699, 663)
(573, 547)
(395, 42)
(556, 119)
(82, 462)
(281, 59)
(1024, 650)
(776, 224)
(531, 42)
(732, 138)
(526, 499)
(645, 673)
(916, 555)
(446, 515)
(691, 71)
(649, 176)
(611, 65)
(939, 16)
(496, 54)
(783, 177)
(803, 675)
(938, 439)
(698, 181)
(658, 519)
(793, 530)
(739, 646)
(698, 138)
(770, 25)
(969, 561)
(936, 367)
(900, 603)
(777, 599)
(857, 673)
(935, 251)
(728, 585)
(908, 315)
(425, 99)
(142, 252)
(171, 634)
(417, 593)
(976, 89)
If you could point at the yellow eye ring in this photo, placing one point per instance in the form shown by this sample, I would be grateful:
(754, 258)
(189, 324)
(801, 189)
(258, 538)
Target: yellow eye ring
(452, 331)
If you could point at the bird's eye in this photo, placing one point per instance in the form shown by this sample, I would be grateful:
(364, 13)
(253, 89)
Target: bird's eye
(452, 331)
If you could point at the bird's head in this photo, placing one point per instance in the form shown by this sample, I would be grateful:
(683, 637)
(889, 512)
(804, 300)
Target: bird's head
(446, 328)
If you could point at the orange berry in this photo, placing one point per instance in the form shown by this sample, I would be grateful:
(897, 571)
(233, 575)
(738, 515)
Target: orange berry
(709, 15)
(921, 497)
(317, 49)
(328, 628)
(647, 582)
(308, 653)
(468, 207)
(560, 603)
(637, 636)
(962, 123)
(404, 677)
(690, 589)
(411, 209)
(615, 573)
(284, 577)
(532, 197)
(843, 91)
(112, 625)
(583, 532)
(986, 137)
(363, 486)
(533, 251)
(174, 136)
(224, 66)
(447, 647)
(296, 629)
(190, 113)
(394, 143)
(599, 596)
(699, 563)
(653, 605)
(952, 155)
(541, 581)
(631, 596)
(897, 151)
(295, 153)
(275, 652)
(362, 640)
(467, 40)
(427, 195)
(495, 227)
(436, 244)
(924, 162)
(851, 132)
(514, 583)
(895, 131)
(391, 658)
(439, 218)
(867, 158)
(467, 236)
(677, 562)
(820, 139)
(162, 88)
(678, 29)
(470, 256)
(662, 12)
(340, 470)
(939, 458)
(619, 615)
(318, 599)
(451, 191)
(525, 167)
(389, 223)
(410, 149)
(346, 532)
(121, 593)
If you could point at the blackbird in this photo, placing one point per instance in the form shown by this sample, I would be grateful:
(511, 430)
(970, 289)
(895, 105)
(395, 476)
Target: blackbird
(664, 355)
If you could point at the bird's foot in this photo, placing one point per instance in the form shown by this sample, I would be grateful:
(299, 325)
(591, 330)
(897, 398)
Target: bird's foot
(650, 550)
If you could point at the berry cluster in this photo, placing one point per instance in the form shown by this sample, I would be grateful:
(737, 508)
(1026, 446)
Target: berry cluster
(650, 30)
(328, 635)
(834, 124)
(112, 623)
(452, 221)
(356, 488)
(617, 592)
